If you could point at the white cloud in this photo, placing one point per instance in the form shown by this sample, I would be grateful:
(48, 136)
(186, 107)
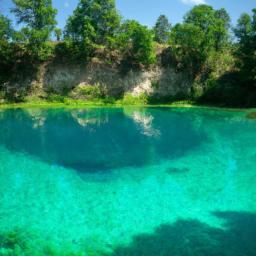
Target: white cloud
(66, 4)
(193, 1)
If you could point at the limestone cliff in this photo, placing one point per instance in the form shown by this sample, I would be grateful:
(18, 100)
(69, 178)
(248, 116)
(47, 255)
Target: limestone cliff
(59, 78)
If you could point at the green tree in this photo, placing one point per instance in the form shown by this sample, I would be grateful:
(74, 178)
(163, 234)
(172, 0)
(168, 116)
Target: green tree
(39, 19)
(244, 27)
(80, 34)
(6, 49)
(203, 33)
(94, 22)
(222, 28)
(246, 53)
(6, 30)
(6, 34)
(136, 42)
(162, 29)
(58, 33)
(201, 16)
(214, 23)
(36, 14)
(223, 15)
(187, 52)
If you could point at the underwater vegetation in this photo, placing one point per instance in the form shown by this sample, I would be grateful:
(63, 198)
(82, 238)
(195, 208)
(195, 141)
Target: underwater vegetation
(20, 243)
(182, 238)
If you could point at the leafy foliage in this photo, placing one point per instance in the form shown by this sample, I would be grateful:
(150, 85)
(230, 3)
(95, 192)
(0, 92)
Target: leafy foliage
(39, 18)
(223, 25)
(203, 32)
(6, 33)
(136, 43)
(246, 53)
(58, 34)
(214, 23)
(129, 99)
(162, 29)
(92, 23)
(186, 50)
(89, 92)
(6, 53)
(37, 14)
(36, 43)
(6, 30)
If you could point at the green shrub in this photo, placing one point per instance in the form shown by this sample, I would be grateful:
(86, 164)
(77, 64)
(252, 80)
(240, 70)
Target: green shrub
(109, 100)
(56, 98)
(1, 95)
(155, 84)
(136, 43)
(90, 92)
(168, 99)
(129, 99)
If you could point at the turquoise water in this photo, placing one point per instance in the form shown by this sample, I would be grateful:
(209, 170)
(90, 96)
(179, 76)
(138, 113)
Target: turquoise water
(128, 181)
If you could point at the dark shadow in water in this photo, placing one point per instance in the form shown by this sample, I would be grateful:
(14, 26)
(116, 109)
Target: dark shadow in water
(194, 238)
(183, 238)
(98, 140)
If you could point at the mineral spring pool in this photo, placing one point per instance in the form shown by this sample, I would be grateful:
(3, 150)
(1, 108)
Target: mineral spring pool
(128, 182)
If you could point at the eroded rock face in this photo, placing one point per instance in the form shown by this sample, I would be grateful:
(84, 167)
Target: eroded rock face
(158, 81)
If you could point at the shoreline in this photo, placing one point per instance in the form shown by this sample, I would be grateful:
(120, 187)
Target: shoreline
(99, 104)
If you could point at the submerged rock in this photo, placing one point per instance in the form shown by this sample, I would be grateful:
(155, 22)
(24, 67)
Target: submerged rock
(251, 115)
(175, 170)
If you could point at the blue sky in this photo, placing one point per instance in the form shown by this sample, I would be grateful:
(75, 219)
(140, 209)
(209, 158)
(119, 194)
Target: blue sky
(147, 11)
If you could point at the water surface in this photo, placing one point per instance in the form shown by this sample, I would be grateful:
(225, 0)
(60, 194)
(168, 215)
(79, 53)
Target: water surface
(128, 181)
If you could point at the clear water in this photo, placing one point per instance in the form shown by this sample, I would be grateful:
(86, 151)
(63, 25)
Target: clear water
(128, 181)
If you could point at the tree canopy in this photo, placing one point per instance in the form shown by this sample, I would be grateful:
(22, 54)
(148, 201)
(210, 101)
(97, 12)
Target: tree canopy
(136, 41)
(6, 30)
(246, 53)
(93, 21)
(203, 32)
(38, 16)
(6, 33)
(58, 34)
(162, 29)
